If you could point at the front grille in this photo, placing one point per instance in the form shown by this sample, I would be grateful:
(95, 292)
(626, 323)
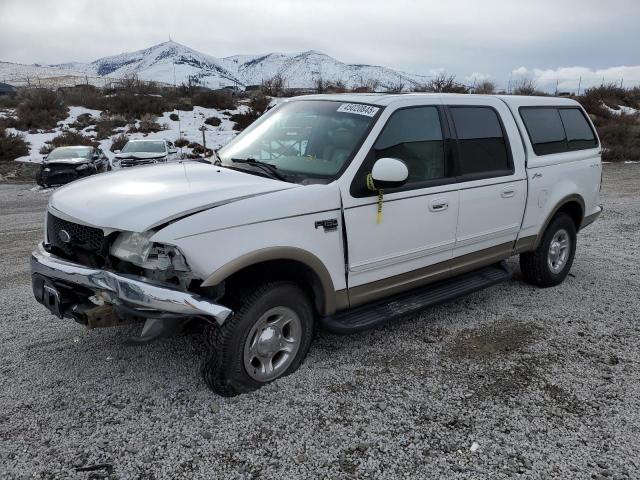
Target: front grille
(131, 162)
(80, 243)
(59, 177)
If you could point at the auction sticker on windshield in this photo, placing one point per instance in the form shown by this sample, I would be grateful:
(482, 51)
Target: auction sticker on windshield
(358, 109)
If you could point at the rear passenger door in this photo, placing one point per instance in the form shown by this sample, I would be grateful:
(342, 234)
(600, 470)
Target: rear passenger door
(491, 181)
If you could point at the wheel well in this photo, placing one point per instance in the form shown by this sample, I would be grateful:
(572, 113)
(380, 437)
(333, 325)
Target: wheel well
(574, 210)
(271, 270)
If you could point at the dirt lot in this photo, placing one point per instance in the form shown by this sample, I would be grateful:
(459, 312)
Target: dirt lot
(511, 382)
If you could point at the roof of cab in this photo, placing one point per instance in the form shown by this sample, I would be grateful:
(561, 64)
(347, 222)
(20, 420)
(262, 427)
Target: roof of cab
(384, 99)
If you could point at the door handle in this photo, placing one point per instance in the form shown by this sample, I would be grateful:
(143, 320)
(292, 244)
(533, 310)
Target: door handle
(508, 192)
(438, 204)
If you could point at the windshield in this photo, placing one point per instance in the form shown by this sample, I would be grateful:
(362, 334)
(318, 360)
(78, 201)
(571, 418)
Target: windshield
(66, 152)
(309, 138)
(148, 147)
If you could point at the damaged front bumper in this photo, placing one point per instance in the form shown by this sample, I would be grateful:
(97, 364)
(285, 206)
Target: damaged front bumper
(55, 279)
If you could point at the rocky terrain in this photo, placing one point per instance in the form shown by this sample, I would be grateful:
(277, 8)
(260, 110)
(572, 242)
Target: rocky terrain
(510, 382)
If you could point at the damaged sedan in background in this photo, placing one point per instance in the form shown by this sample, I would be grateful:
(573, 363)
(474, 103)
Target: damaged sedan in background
(66, 164)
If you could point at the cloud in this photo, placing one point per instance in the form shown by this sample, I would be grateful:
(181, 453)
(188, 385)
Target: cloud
(570, 78)
(428, 37)
(520, 72)
(477, 77)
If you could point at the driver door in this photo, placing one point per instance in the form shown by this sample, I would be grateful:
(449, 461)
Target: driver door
(414, 240)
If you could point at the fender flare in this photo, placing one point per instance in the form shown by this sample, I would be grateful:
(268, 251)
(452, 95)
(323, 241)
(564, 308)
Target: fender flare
(331, 300)
(569, 198)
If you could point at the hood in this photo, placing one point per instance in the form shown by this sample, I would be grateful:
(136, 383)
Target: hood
(141, 155)
(144, 197)
(72, 161)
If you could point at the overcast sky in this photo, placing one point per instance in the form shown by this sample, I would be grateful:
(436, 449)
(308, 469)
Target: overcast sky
(542, 39)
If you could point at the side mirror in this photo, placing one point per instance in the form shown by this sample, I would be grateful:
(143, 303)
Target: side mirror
(389, 173)
(116, 151)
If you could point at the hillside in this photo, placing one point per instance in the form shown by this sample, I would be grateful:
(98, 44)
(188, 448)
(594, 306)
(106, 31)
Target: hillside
(21, 75)
(171, 62)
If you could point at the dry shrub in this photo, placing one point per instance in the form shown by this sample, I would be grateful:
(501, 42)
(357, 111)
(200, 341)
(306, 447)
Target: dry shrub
(485, 87)
(147, 124)
(620, 137)
(198, 150)
(259, 103)
(220, 99)
(184, 105)
(107, 125)
(274, 86)
(135, 105)
(444, 83)
(68, 138)
(39, 108)
(83, 121)
(12, 146)
(118, 142)
(526, 86)
(181, 142)
(213, 121)
(87, 96)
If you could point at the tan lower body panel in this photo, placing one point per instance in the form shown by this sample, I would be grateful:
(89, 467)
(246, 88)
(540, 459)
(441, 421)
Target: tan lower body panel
(526, 244)
(433, 273)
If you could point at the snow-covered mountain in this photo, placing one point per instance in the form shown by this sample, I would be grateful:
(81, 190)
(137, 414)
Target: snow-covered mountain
(171, 62)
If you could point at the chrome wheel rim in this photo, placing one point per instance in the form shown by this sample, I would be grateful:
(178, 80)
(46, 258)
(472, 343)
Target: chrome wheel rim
(559, 249)
(272, 344)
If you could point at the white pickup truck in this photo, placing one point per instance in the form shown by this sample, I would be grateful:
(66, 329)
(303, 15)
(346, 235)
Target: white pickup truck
(341, 211)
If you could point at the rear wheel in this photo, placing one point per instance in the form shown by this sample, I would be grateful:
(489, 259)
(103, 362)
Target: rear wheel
(267, 338)
(550, 263)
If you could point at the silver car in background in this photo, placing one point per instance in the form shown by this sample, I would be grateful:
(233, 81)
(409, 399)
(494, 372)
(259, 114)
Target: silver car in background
(144, 152)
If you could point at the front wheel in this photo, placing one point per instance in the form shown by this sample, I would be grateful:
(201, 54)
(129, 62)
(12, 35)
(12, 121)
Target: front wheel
(267, 337)
(549, 264)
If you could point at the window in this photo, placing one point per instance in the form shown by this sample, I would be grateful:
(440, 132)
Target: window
(481, 141)
(556, 130)
(578, 132)
(304, 139)
(414, 135)
(545, 130)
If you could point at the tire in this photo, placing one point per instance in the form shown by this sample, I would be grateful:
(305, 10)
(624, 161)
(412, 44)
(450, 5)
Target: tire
(544, 267)
(40, 180)
(243, 354)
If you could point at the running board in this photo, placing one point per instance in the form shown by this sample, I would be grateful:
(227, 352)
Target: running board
(376, 313)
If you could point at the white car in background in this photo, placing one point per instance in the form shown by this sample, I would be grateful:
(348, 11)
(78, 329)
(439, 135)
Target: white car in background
(144, 152)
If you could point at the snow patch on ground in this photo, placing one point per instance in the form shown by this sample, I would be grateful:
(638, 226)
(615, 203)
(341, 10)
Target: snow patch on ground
(622, 109)
(186, 127)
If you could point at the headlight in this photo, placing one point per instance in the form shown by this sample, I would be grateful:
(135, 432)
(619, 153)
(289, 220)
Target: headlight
(132, 246)
(84, 166)
(137, 249)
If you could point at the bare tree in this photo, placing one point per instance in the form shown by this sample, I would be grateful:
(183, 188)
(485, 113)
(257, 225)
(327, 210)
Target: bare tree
(444, 83)
(524, 86)
(486, 87)
(274, 86)
(396, 87)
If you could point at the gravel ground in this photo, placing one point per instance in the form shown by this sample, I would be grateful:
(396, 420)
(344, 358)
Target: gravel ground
(511, 382)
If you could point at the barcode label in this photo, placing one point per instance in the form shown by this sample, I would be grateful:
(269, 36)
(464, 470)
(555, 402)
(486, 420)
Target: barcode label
(358, 109)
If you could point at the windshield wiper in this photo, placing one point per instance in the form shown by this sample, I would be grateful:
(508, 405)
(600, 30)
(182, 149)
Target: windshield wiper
(269, 168)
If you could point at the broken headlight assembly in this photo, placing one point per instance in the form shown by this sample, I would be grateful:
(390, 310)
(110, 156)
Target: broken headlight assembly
(136, 248)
